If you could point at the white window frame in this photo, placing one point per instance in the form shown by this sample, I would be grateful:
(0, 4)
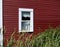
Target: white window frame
(31, 17)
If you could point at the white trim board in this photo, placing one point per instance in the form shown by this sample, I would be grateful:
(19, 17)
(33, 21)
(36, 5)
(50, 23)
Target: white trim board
(1, 24)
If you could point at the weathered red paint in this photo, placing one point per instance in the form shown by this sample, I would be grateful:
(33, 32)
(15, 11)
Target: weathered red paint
(46, 12)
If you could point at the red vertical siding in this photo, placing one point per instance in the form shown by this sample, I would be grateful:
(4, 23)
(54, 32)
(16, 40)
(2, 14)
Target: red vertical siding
(46, 12)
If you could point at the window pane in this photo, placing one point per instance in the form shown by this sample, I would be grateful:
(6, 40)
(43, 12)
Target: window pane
(25, 15)
(25, 25)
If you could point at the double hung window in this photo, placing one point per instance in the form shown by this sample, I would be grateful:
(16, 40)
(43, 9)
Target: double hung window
(25, 20)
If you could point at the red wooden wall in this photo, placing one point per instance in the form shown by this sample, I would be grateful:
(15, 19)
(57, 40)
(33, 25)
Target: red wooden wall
(46, 12)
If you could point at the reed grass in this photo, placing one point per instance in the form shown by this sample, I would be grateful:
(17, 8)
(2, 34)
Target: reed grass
(49, 38)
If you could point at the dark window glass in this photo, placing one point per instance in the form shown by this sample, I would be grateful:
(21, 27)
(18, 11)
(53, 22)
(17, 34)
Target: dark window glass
(25, 25)
(25, 15)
